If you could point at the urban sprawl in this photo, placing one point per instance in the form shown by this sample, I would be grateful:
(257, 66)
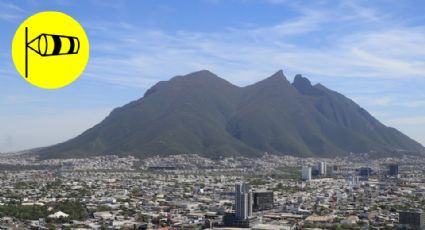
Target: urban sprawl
(193, 192)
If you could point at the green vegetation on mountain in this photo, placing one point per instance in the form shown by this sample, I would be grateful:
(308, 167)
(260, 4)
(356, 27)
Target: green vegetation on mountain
(203, 114)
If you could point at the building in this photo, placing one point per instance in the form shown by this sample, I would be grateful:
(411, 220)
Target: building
(230, 220)
(393, 169)
(273, 227)
(339, 170)
(354, 180)
(243, 201)
(315, 171)
(242, 217)
(322, 168)
(263, 201)
(412, 220)
(306, 173)
(365, 172)
(58, 215)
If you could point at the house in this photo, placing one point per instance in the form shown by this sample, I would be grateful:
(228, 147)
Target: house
(350, 220)
(58, 215)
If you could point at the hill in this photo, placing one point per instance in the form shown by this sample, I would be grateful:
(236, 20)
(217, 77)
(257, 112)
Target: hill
(204, 114)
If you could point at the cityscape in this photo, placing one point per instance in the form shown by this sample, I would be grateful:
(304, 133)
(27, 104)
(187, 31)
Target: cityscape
(193, 192)
(212, 115)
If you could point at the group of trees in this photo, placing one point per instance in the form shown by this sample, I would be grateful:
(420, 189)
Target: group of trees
(74, 209)
(23, 212)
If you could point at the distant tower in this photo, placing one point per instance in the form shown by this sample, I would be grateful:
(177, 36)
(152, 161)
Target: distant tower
(353, 180)
(322, 168)
(365, 172)
(243, 201)
(223, 179)
(412, 219)
(306, 173)
(393, 170)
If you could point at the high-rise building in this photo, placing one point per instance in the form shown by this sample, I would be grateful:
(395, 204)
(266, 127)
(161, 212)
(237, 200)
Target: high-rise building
(354, 180)
(412, 220)
(393, 169)
(322, 168)
(242, 217)
(243, 201)
(306, 173)
(365, 172)
(263, 201)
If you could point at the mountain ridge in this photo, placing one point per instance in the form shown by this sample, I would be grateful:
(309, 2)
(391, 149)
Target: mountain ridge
(204, 114)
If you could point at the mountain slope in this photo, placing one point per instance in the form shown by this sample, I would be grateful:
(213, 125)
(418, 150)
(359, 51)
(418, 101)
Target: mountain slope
(204, 114)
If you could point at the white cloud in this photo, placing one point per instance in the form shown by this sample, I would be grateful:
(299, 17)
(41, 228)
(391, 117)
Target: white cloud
(10, 11)
(309, 21)
(393, 101)
(389, 66)
(244, 55)
(415, 103)
(382, 101)
(357, 11)
(414, 120)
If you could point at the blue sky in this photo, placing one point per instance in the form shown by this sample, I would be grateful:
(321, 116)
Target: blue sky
(371, 51)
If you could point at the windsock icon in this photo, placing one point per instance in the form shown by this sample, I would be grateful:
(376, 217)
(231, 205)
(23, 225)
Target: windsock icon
(50, 45)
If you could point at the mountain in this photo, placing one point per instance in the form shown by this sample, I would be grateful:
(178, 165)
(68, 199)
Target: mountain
(203, 114)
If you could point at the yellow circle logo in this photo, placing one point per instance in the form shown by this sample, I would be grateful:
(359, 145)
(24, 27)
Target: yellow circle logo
(50, 50)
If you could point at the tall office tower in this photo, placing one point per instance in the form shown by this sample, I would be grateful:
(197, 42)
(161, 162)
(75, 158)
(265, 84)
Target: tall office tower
(365, 172)
(306, 173)
(393, 169)
(243, 201)
(412, 219)
(322, 168)
(262, 200)
(353, 180)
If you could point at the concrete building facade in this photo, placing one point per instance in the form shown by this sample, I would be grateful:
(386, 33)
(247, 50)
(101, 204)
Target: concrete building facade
(243, 201)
